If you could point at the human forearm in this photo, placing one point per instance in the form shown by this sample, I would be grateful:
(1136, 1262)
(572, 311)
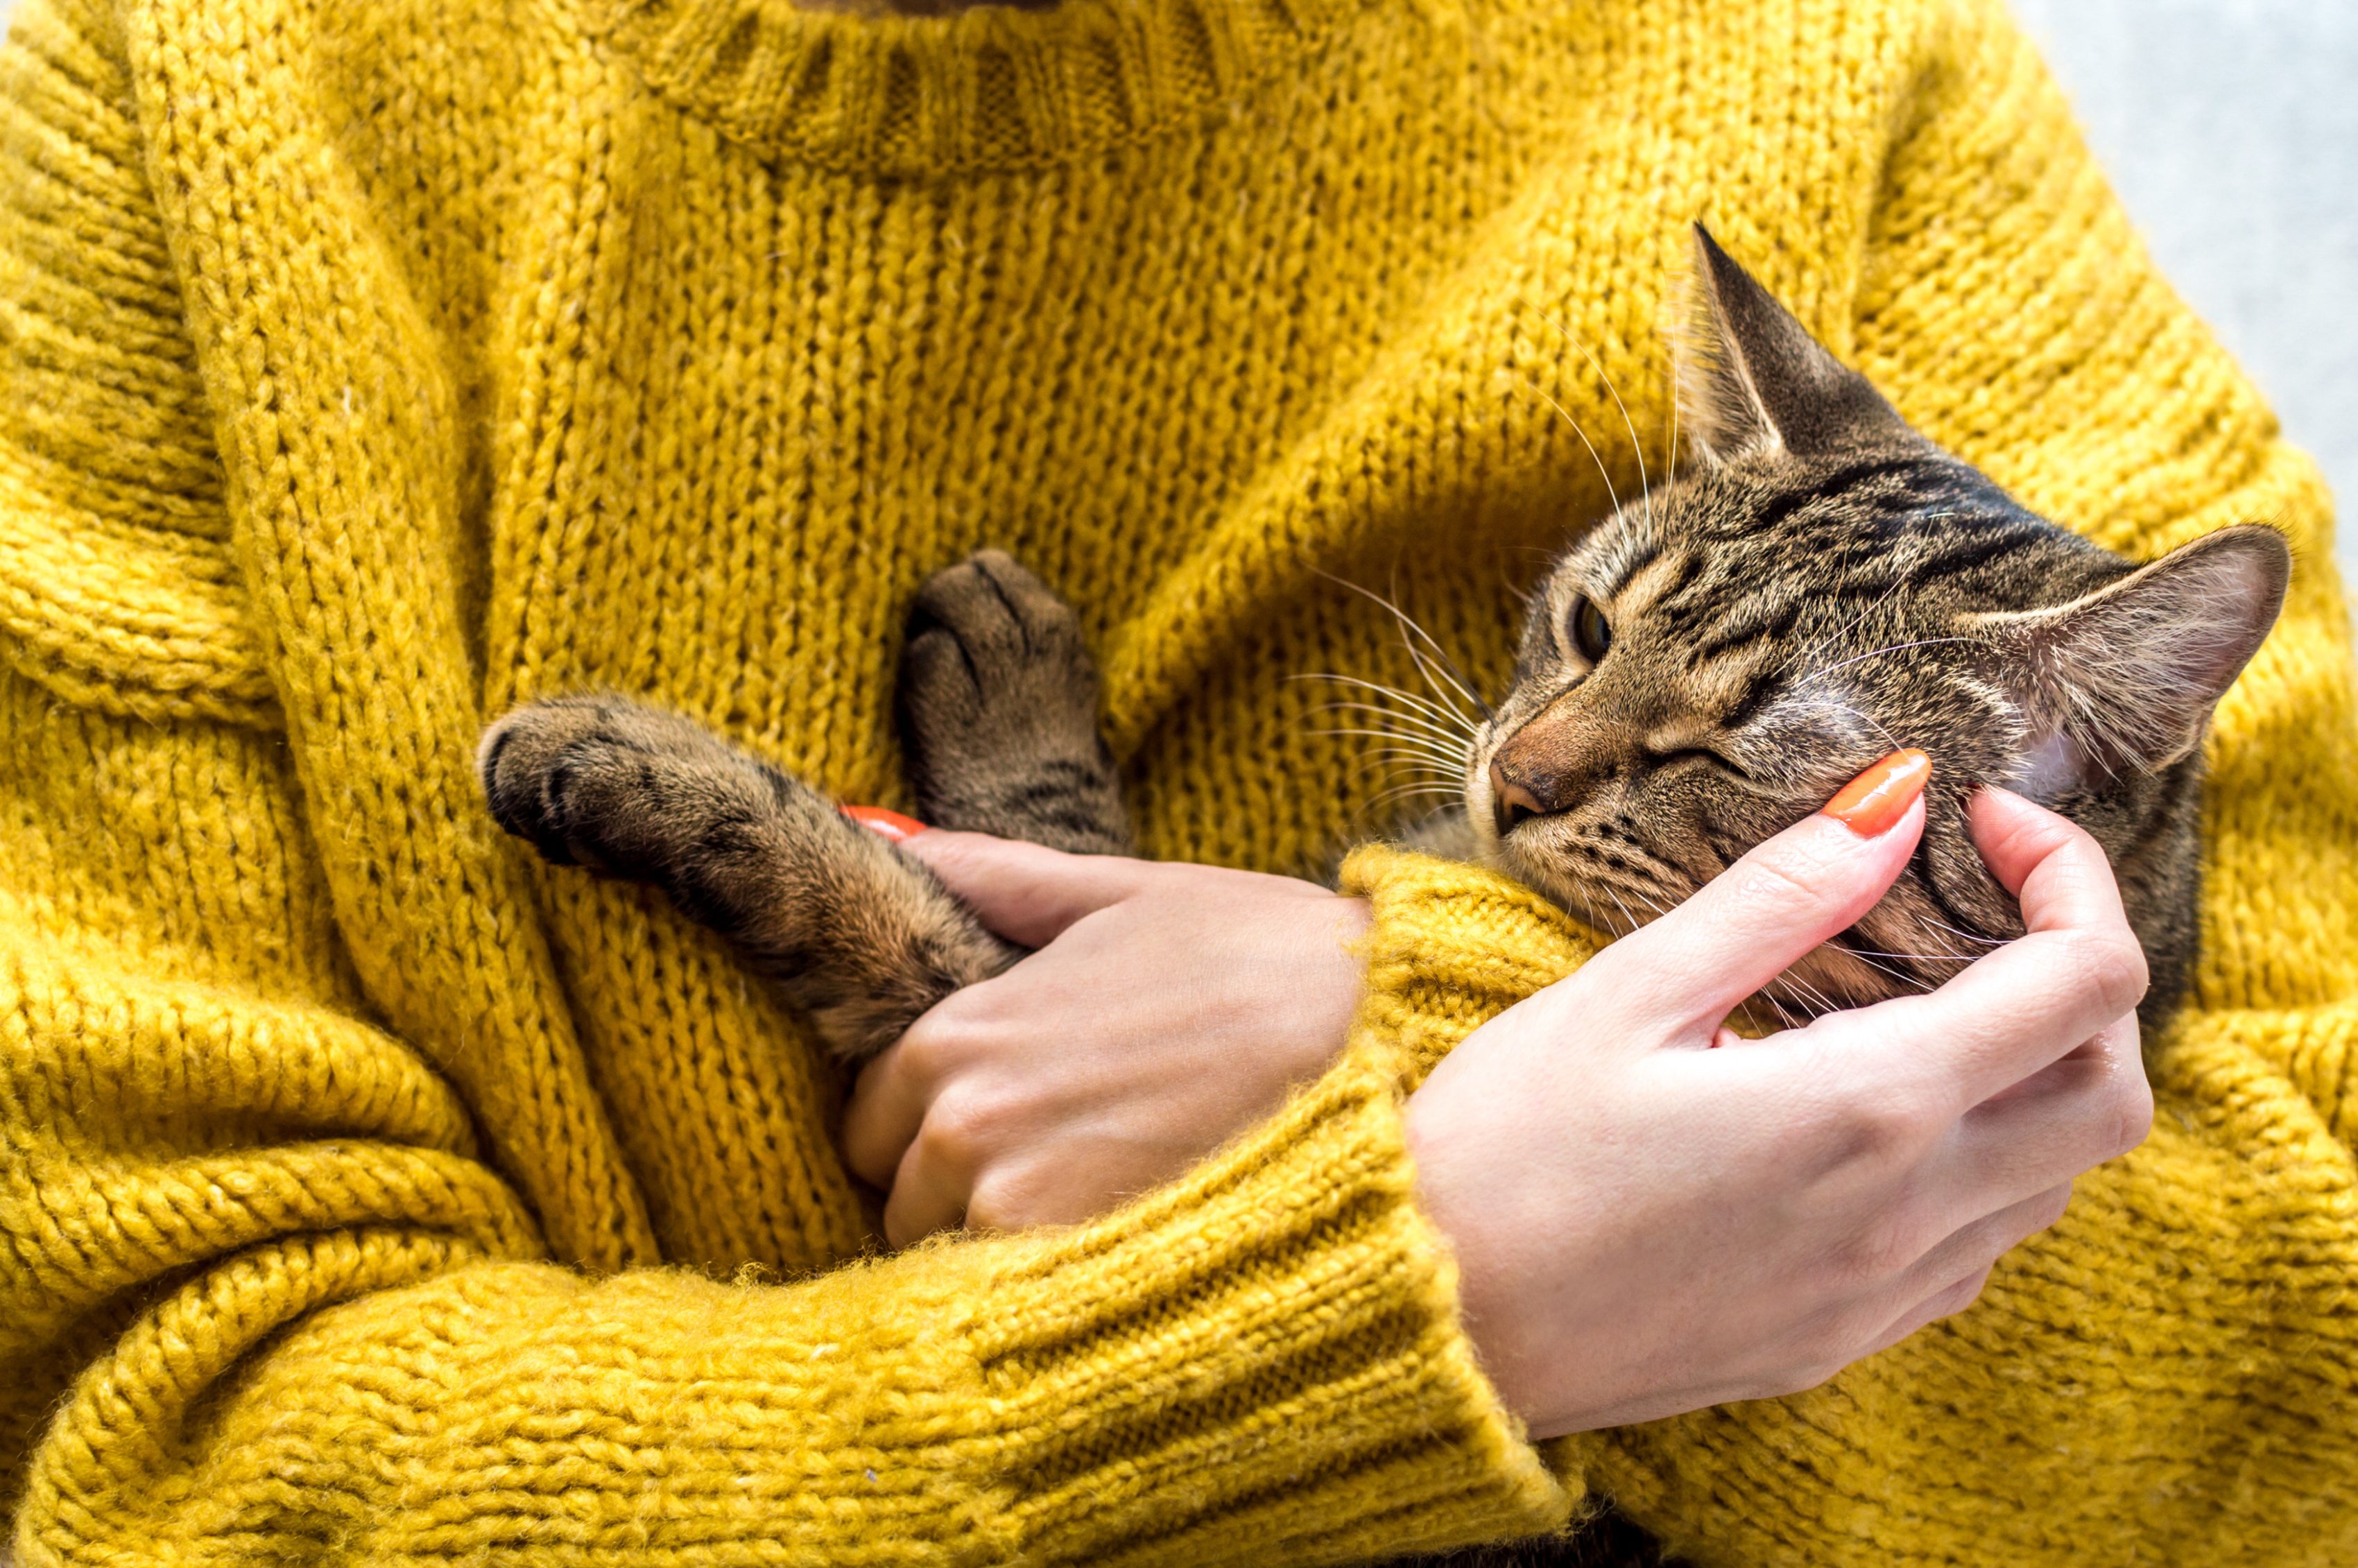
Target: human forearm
(1257, 1365)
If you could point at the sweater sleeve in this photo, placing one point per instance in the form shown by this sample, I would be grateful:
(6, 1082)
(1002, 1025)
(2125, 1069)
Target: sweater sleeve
(2165, 1375)
(264, 1295)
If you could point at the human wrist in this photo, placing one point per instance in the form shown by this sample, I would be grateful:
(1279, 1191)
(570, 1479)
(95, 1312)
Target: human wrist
(1444, 1185)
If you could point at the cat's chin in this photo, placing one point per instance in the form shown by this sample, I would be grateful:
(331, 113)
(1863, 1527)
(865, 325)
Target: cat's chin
(1854, 971)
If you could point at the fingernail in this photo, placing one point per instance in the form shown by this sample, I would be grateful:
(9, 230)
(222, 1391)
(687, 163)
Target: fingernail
(1875, 800)
(891, 823)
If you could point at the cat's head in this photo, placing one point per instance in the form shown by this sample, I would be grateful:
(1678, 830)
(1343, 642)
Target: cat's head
(1822, 586)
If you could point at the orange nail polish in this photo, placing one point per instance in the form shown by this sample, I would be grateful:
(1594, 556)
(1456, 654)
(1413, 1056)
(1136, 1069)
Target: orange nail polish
(1875, 800)
(891, 823)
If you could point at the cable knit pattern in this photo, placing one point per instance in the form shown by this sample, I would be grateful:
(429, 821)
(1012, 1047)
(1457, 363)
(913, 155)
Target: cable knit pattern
(369, 1190)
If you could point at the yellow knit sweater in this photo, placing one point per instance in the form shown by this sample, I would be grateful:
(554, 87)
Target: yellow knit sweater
(369, 1195)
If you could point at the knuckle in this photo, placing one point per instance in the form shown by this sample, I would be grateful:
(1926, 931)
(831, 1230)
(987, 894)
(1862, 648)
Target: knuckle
(1781, 878)
(961, 1132)
(1841, 1341)
(1826, 1368)
(925, 1048)
(1001, 1201)
(1880, 1251)
(1892, 1130)
(2132, 1118)
(2114, 966)
(1833, 1337)
(987, 1209)
(1957, 1297)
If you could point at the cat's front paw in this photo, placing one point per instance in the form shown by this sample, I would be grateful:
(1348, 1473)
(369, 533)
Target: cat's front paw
(999, 709)
(994, 653)
(598, 781)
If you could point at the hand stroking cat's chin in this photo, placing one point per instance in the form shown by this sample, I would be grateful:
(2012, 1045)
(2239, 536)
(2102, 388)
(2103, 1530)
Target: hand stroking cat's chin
(1788, 1205)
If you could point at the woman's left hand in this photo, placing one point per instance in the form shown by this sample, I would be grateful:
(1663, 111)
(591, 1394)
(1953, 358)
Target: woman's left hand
(1168, 1007)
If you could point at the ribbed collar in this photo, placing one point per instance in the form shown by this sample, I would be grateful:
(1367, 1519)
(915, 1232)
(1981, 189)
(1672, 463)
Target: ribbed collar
(983, 89)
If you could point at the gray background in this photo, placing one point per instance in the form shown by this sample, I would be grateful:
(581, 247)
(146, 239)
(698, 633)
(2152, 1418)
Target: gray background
(2230, 128)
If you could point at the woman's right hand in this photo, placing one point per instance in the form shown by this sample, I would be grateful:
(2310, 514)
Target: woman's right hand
(1645, 1226)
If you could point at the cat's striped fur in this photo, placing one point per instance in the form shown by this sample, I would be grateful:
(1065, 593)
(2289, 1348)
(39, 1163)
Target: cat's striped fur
(1822, 587)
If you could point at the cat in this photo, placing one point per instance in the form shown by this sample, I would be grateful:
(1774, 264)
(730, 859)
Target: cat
(1822, 587)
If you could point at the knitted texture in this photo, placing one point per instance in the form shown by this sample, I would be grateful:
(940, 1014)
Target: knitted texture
(365, 369)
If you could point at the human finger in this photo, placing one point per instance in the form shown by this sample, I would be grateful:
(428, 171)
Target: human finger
(1784, 897)
(2077, 971)
(929, 1190)
(1950, 1278)
(1969, 1250)
(887, 1105)
(1026, 893)
(2092, 1105)
(1947, 1301)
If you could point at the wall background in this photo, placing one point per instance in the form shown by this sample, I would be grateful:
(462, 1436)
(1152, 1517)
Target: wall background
(2231, 129)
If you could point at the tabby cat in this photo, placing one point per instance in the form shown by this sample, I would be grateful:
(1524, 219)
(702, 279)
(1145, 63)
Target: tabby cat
(1823, 586)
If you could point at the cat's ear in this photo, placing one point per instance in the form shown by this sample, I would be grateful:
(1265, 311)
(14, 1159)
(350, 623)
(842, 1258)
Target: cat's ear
(2125, 677)
(1752, 381)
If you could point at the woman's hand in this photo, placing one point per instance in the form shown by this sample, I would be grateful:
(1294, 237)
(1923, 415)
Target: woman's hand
(1644, 1225)
(1169, 1007)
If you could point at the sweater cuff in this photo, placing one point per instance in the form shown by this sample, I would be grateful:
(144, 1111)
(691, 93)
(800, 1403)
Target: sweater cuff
(1261, 1364)
(1449, 947)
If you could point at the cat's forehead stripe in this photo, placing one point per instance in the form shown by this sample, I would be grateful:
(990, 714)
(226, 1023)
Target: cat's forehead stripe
(1732, 691)
(1658, 575)
(1622, 554)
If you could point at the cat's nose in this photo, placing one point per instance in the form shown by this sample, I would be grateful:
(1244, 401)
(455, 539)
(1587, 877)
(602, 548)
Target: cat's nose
(1510, 799)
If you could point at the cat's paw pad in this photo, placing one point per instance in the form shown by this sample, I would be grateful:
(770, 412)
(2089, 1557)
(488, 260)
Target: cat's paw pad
(588, 780)
(990, 645)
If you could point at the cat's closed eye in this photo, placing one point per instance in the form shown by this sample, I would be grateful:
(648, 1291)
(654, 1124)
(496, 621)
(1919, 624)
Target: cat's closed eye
(1707, 755)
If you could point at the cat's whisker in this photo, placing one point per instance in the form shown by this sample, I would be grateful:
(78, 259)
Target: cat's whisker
(1765, 994)
(1968, 935)
(1442, 758)
(1644, 897)
(1819, 643)
(1876, 653)
(1879, 969)
(1432, 746)
(1409, 793)
(1869, 958)
(1440, 763)
(1425, 779)
(1446, 717)
(1871, 954)
(1637, 447)
(1424, 771)
(1402, 792)
(1670, 457)
(1604, 473)
(1823, 1004)
(1871, 721)
(1433, 679)
(1409, 625)
(1417, 722)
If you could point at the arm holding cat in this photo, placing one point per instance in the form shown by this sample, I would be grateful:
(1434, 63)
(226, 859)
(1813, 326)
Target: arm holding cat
(1873, 1165)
